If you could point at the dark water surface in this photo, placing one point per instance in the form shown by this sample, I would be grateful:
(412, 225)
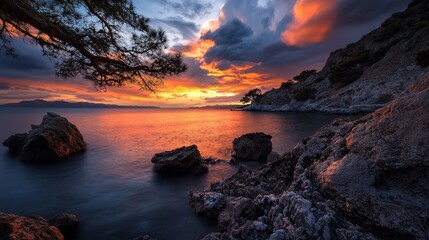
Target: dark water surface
(112, 187)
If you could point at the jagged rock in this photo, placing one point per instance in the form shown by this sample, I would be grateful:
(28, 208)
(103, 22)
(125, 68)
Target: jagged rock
(67, 223)
(53, 140)
(274, 156)
(15, 143)
(353, 179)
(217, 236)
(237, 212)
(144, 237)
(208, 203)
(200, 169)
(180, 160)
(13, 227)
(252, 146)
(385, 174)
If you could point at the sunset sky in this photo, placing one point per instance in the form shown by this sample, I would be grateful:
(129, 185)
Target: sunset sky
(230, 47)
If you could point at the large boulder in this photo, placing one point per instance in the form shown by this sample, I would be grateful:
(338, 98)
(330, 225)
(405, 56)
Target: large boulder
(180, 160)
(15, 143)
(13, 227)
(66, 222)
(54, 139)
(252, 146)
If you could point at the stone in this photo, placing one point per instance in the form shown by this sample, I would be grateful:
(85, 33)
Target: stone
(252, 146)
(53, 140)
(144, 237)
(67, 223)
(180, 160)
(208, 203)
(15, 143)
(13, 227)
(200, 169)
(237, 212)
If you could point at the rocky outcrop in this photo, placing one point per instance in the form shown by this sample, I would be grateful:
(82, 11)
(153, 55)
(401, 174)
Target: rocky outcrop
(353, 179)
(252, 146)
(365, 75)
(181, 160)
(208, 203)
(14, 227)
(53, 140)
(67, 223)
(15, 143)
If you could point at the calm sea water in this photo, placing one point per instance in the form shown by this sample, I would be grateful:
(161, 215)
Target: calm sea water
(112, 187)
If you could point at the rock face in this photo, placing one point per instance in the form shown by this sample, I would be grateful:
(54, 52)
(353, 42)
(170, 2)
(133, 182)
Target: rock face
(67, 223)
(14, 227)
(53, 140)
(365, 75)
(208, 203)
(15, 143)
(252, 146)
(181, 160)
(353, 179)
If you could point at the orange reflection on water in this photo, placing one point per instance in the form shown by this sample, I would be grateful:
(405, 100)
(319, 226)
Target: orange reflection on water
(134, 136)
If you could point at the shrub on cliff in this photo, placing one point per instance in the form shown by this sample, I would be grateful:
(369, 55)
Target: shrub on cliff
(304, 75)
(286, 85)
(251, 95)
(304, 94)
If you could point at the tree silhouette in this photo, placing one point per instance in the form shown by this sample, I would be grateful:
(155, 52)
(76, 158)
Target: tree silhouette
(105, 41)
(251, 95)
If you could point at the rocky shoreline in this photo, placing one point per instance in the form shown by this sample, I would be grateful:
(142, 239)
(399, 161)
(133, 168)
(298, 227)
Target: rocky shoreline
(353, 179)
(60, 227)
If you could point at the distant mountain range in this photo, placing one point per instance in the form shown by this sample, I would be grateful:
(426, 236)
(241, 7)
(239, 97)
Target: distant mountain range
(63, 104)
(218, 107)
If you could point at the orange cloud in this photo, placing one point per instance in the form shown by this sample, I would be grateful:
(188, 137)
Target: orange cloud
(32, 32)
(198, 48)
(313, 19)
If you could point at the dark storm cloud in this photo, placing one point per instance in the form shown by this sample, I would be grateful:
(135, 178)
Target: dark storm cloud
(195, 74)
(187, 8)
(188, 30)
(353, 12)
(28, 63)
(230, 33)
(253, 38)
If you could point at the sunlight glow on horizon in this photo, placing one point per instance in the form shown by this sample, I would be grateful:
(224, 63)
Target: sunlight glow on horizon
(274, 41)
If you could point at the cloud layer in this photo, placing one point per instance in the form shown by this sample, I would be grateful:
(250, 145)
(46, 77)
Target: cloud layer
(248, 44)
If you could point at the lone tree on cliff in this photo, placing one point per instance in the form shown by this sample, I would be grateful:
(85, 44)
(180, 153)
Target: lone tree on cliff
(251, 95)
(105, 41)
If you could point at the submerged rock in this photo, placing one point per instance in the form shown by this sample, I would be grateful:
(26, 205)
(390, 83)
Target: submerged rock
(15, 143)
(252, 146)
(13, 227)
(53, 140)
(180, 160)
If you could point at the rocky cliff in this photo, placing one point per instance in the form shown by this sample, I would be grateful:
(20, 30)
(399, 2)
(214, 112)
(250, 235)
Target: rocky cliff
(365, 75)
(353, 179)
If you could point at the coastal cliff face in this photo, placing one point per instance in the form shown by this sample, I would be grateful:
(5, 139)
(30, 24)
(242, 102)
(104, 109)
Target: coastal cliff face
(365, 75)
(353, 179)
